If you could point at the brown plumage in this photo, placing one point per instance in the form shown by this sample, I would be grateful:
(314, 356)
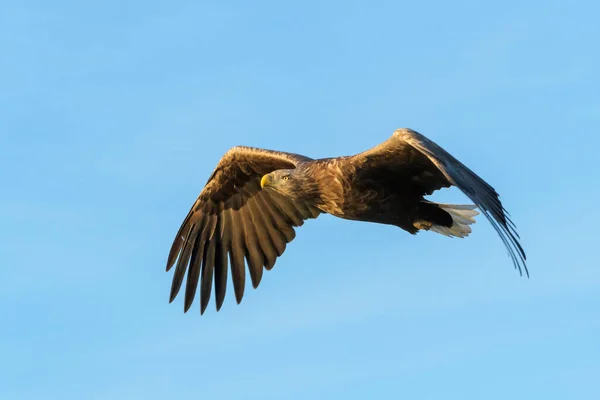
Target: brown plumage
(255, 198)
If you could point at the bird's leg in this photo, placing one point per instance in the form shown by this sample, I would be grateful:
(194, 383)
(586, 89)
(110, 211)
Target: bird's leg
(422, 224)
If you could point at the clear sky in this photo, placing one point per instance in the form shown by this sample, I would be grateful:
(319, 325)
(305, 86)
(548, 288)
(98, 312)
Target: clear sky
(114, 113)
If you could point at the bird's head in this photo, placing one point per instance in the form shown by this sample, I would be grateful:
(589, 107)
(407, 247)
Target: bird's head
(283, 181)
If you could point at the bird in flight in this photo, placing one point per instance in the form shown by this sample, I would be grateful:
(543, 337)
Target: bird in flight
(255, 198)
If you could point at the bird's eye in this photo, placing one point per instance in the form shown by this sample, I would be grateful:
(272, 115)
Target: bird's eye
(285, 178)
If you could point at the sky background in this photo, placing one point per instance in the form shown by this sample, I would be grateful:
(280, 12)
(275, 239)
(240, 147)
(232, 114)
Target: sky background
(113, 114)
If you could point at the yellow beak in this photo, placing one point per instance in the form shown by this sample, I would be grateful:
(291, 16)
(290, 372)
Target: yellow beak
(266, 180)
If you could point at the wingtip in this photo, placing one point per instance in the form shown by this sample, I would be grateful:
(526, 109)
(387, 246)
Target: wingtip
(203, 308)
(169, 264)
(187, 306)
(174, 253)
(522, 267)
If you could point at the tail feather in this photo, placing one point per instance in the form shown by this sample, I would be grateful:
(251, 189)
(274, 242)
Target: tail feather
(462, 216)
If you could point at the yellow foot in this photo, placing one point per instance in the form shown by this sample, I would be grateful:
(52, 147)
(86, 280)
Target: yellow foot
(423, 225)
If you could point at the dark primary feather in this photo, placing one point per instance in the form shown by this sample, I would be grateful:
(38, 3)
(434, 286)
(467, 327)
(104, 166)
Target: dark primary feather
(234, 220)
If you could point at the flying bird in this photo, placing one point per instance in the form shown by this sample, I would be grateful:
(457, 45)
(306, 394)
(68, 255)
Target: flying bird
(255, 198)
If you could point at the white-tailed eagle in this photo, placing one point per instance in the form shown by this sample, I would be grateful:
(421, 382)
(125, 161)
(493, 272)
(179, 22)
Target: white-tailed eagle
(248, 209)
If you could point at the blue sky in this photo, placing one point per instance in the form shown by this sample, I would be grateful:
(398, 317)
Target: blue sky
(114, 113)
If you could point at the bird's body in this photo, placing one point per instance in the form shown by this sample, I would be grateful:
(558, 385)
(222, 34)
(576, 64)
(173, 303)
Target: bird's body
(348, 188)
(255, 198)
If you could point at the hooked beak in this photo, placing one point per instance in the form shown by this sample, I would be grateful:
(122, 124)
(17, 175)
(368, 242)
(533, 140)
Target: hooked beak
(266, 180)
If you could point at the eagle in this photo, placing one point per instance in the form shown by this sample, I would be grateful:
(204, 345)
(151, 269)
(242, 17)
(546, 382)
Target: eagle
(254, 200)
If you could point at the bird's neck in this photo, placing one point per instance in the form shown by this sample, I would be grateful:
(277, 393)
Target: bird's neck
(323, 189)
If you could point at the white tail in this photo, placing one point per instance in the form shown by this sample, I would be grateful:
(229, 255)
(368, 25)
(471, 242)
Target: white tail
(462, 216)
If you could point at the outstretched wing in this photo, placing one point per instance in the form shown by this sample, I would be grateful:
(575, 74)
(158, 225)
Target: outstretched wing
(234, 217)
(428, 167)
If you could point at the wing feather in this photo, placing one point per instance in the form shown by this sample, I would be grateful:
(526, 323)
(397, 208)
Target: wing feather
(254, 255)
(238, 249)
(479, 191)
(279, 229)
(182, 263)
(265, 241)
(221, 257)
(208, 267)
(289, 210)
(194, 267)
(233, 222)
